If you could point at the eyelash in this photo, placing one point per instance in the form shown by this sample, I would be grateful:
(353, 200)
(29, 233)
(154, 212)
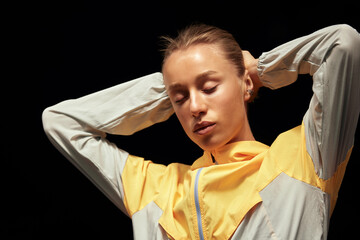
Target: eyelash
(210, 90)
(206, 91)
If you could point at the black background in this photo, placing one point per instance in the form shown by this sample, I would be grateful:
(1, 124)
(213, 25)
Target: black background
(78, 47)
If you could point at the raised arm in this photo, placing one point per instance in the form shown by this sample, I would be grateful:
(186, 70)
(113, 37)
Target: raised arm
(78, 128)
(332, 56)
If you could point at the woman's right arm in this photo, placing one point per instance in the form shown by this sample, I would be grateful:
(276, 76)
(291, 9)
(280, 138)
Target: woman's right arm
(78, 128)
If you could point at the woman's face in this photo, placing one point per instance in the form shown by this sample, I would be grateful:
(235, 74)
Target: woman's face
(208, 96)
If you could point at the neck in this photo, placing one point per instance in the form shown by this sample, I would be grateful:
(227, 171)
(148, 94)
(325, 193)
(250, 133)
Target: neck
(245, 134)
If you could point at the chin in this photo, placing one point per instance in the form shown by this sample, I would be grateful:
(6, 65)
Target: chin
(211, 141)
(210, 144)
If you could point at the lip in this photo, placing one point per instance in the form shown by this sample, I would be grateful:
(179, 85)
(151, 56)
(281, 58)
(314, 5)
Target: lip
(204, 127)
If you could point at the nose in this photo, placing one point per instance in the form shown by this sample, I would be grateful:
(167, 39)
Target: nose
(197, 105)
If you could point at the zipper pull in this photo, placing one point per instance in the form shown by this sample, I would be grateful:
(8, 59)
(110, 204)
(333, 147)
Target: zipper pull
(213, 159)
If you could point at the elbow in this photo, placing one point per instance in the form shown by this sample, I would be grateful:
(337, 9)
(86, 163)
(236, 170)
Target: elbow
(53, 122)
(348, 41)
(48, 120)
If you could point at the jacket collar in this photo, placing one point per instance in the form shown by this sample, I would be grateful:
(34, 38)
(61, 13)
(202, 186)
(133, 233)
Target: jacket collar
(233, 152)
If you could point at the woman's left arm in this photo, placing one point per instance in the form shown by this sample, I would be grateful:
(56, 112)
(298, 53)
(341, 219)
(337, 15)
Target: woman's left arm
(332, 56)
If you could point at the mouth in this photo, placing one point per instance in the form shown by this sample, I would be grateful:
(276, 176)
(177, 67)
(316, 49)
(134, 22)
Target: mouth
(203, 128)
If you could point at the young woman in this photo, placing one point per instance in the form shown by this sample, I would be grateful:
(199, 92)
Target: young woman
(239, 188)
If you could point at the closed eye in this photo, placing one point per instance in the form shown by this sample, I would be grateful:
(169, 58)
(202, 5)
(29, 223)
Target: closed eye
(210, 90)
(180, 99)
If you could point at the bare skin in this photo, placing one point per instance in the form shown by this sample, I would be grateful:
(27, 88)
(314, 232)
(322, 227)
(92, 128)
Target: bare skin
(208, 95)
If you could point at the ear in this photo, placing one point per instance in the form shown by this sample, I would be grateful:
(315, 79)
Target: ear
(248, 87)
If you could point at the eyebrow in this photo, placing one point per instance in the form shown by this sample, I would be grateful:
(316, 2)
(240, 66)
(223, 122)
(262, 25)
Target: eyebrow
(198, 79)
(203, 75)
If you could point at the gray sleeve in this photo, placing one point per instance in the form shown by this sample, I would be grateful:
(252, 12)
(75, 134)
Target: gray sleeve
(332, 57)
(78, 128)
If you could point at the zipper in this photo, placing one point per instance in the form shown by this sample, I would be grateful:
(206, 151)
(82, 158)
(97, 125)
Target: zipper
(213, 159)
(197, 204)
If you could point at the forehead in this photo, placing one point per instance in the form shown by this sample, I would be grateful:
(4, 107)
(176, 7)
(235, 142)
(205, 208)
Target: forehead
(184, 66)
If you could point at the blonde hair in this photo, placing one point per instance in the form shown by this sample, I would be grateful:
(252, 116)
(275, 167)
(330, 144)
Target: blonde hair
(205, 34)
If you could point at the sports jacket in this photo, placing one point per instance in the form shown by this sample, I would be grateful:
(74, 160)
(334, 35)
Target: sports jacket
(245, 190)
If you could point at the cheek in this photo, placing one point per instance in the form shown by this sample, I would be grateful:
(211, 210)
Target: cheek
(183, 118)
(229, 101)
(230, 110)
